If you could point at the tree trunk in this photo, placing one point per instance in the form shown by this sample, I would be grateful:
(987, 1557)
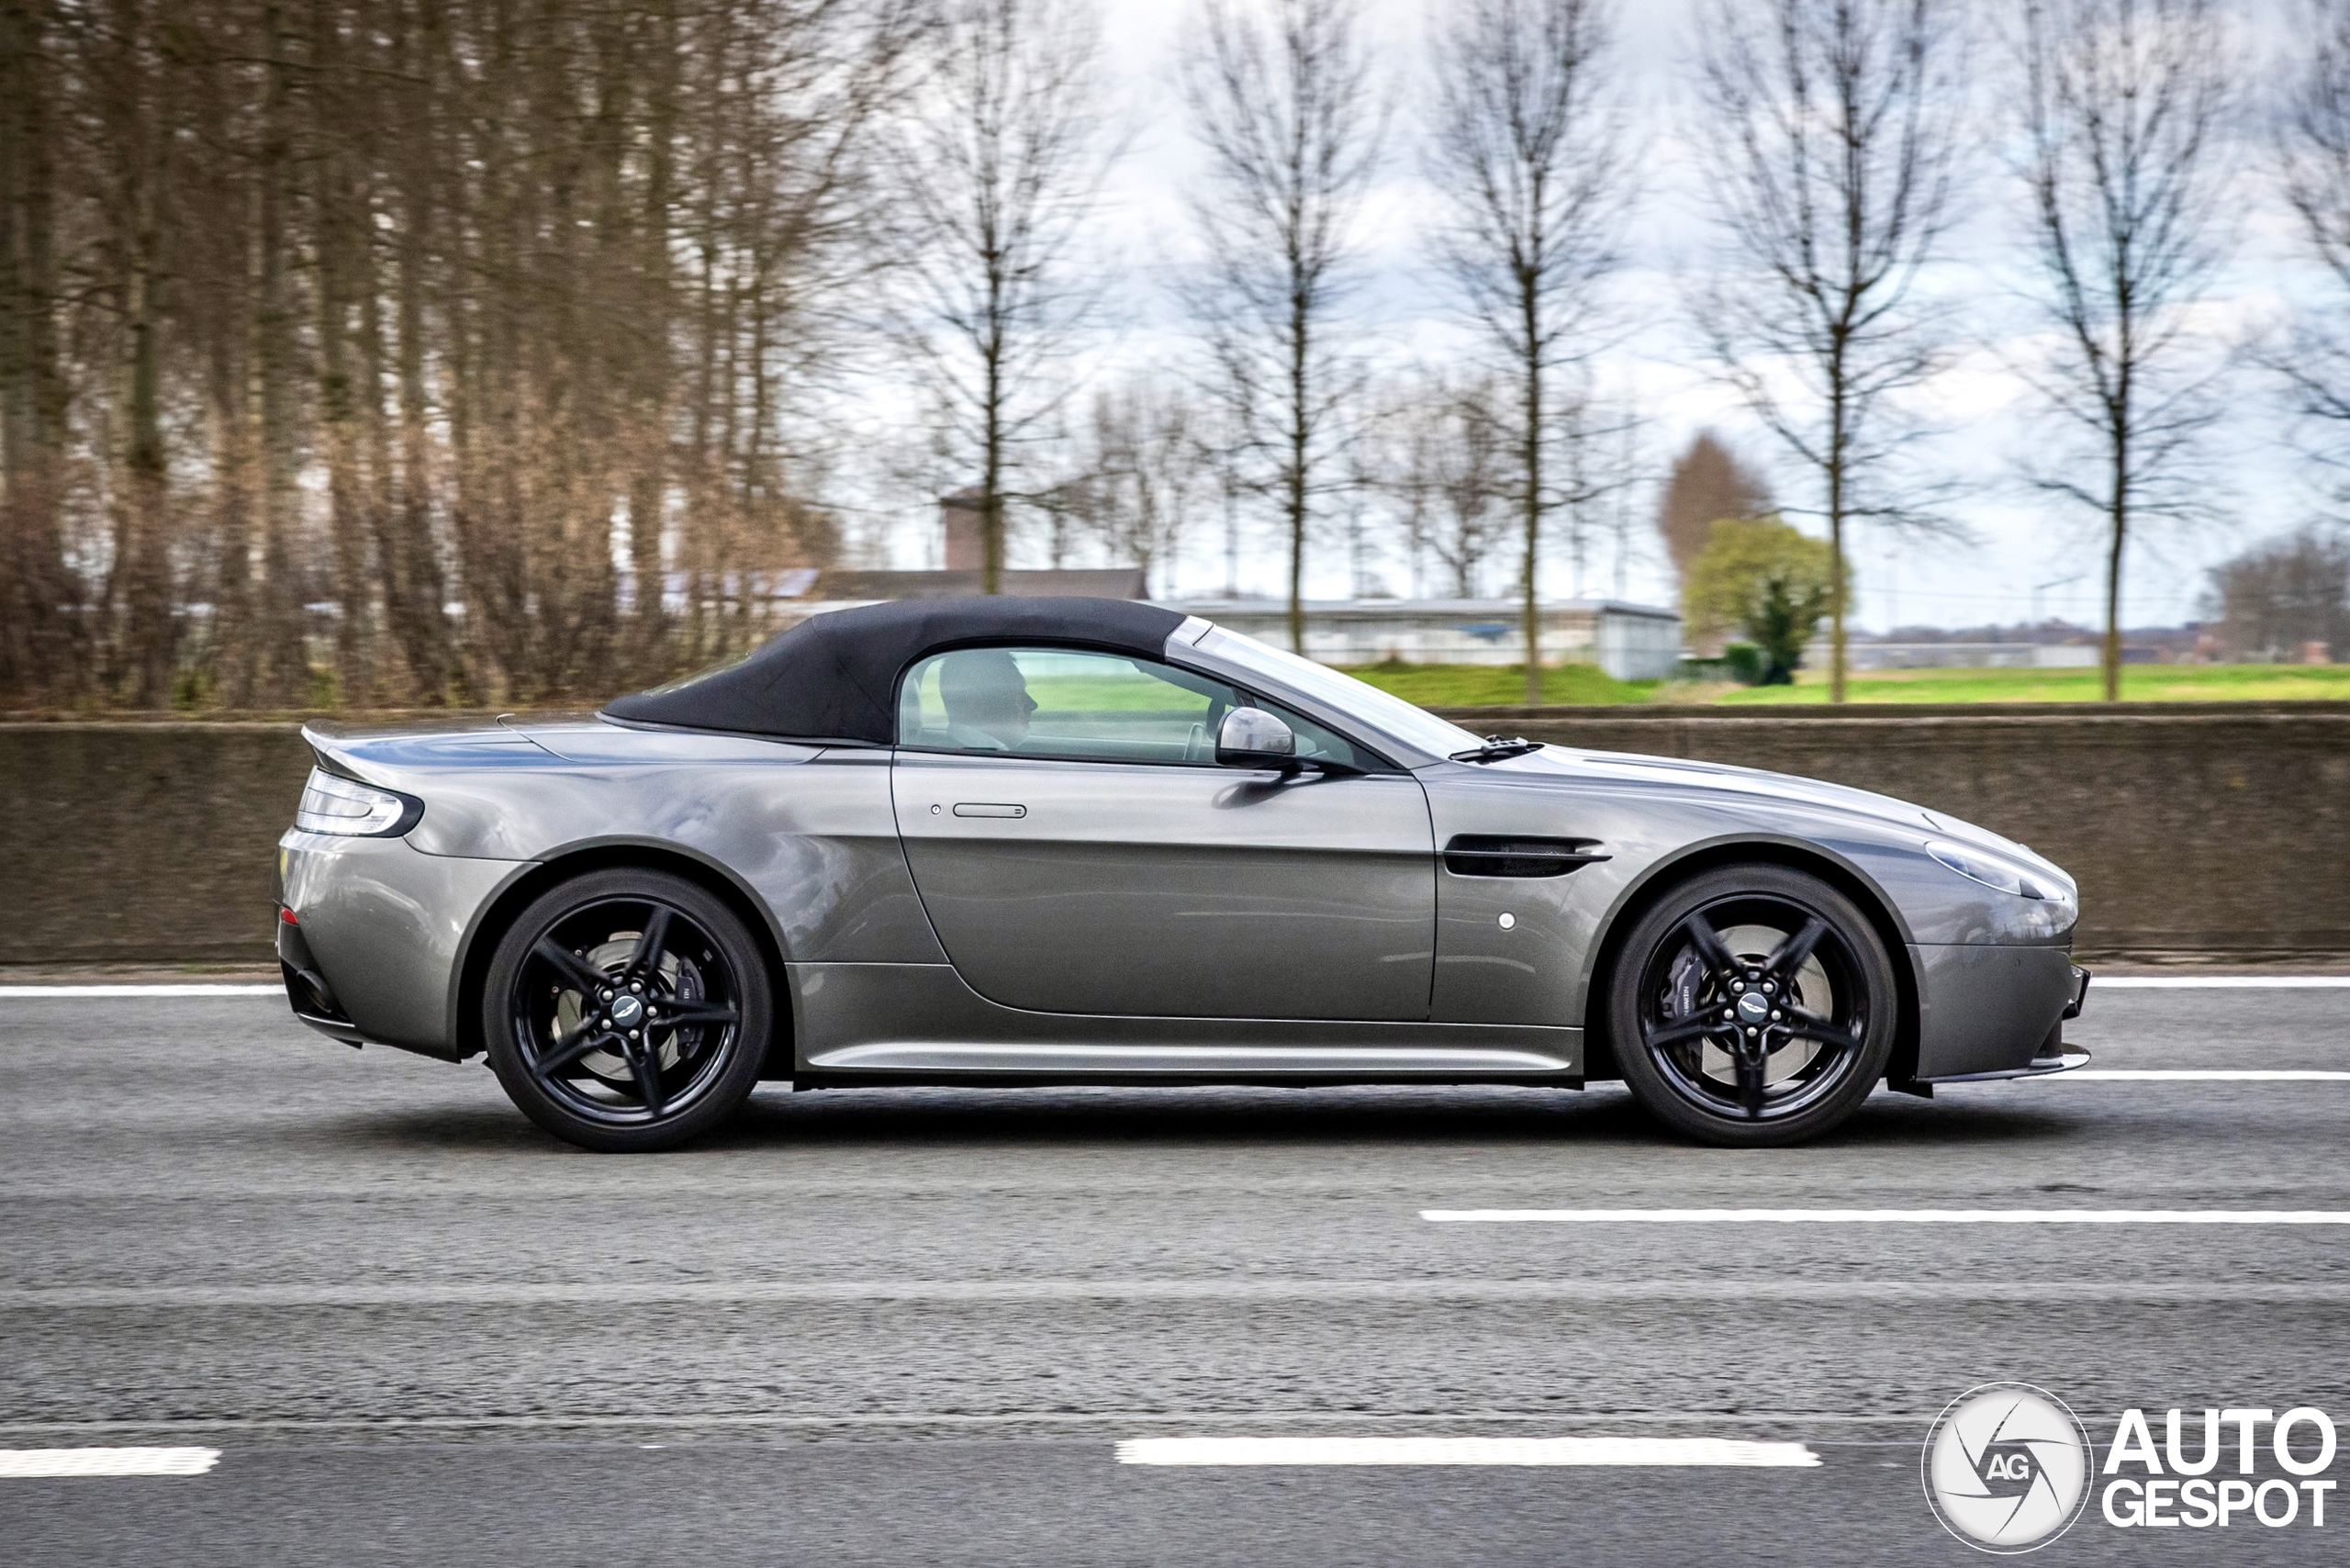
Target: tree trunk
(2118, 515)
(334, 209)
(284, 659)
(38, 645)
(1301, 435)
(991, 448)
(145, 636)
(414, 590)
(1530, 306)
(1838, 591)
(228, 658)
(649, 484)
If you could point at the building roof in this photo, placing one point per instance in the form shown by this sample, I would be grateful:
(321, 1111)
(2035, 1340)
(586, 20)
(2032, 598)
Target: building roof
(1388, 609)
(1115, 582)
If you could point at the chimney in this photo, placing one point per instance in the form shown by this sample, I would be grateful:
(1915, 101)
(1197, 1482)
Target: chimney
(965, 522)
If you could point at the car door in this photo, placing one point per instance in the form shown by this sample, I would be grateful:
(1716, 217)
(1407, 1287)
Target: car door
(1078, 849)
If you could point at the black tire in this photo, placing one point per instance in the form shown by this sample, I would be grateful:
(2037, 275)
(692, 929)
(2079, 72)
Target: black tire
(1715, 1066)
(565, 985)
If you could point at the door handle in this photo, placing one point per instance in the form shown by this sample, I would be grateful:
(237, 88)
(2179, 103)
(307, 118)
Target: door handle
(989, 808)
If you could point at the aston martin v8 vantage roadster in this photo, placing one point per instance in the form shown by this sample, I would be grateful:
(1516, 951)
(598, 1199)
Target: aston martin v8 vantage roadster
(1003, 840)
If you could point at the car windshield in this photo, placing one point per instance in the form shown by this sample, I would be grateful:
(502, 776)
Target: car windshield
(1414, 726)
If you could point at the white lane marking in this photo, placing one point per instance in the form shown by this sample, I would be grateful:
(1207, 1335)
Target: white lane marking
(1888, 1216)
(1465, 1451)
(2219, 982)
(755, 1293)
(274, 990)
(1909, 1422)
(32, 1464)
(2207, 1074)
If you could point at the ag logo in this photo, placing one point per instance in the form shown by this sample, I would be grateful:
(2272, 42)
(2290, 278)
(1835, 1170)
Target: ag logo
(2006, 1467)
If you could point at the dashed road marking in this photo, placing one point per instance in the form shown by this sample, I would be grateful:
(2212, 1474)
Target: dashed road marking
(2206, 1075)
(1973, 1287)
(40, 1464)
(1887, 1216)
(2219, 982)
(134, 990)
(1291, 1450)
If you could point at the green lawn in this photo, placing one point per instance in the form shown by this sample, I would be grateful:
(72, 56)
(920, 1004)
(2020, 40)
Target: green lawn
(1468, 686)
(1465, 685)
(2140, 683)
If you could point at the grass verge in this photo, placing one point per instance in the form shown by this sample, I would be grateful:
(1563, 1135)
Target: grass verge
(1482, 686)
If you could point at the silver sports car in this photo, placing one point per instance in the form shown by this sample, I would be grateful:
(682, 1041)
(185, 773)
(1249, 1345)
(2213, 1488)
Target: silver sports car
(1009, 841)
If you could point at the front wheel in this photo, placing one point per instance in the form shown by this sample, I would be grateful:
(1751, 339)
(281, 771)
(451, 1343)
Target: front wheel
(1752, 1006)
(627, 1010)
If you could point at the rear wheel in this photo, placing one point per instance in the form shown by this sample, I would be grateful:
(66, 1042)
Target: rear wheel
(627, 1010)
(1753, 1005)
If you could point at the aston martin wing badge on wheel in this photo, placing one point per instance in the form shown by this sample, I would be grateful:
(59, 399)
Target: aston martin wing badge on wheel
(1007, 841)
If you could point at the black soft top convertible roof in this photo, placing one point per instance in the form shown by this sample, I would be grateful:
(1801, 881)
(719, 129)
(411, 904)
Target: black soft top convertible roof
(834, 675)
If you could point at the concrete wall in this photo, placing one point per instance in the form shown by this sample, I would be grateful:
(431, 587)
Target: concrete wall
(2203, 828)
(144, 841)
(2219, 829)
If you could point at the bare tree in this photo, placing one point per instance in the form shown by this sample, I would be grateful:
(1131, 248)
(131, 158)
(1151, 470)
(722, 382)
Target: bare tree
(1149, 466)
(1292, 125)
(1599, 467)
(1448, 452)
(1529, 152)
(2277, 599)
(2313, 142)
(1830, 130)
(1000, 175)
(404, 305)
(2125, 106)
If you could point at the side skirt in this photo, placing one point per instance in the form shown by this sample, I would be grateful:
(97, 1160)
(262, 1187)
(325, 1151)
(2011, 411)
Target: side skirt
(901, 1023)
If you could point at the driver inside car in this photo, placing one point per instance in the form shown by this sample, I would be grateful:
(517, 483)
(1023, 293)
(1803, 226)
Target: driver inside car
(987, 705)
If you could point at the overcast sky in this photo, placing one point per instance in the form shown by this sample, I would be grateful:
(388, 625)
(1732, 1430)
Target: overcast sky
(2023, 542)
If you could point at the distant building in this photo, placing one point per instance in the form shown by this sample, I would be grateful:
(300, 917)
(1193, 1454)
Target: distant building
(961, 521)
(1631, 641)
(964, 522)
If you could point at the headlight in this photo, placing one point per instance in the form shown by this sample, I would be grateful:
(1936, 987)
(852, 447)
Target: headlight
(352, 810)
(1992, 872)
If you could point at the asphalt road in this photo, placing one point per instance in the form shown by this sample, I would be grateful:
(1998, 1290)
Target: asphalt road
(908, 1327)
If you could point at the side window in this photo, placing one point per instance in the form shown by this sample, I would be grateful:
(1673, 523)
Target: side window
(1313, 740)
(1062, 702)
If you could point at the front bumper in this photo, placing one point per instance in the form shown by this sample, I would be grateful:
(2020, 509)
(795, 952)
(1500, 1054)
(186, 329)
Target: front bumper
(2081, 978)
(1987, 1012)
(2039, 1066)
(2052, 1057)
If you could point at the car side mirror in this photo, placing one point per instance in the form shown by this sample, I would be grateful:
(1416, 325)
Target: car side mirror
(1250, 737)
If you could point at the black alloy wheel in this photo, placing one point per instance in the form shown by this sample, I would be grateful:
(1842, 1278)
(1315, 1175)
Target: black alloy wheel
(1752, 1006)
(627, 1010)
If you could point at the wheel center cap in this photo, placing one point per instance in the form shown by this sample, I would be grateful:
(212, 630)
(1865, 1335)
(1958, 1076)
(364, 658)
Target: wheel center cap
(627, 1010)
(1753, 1007)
